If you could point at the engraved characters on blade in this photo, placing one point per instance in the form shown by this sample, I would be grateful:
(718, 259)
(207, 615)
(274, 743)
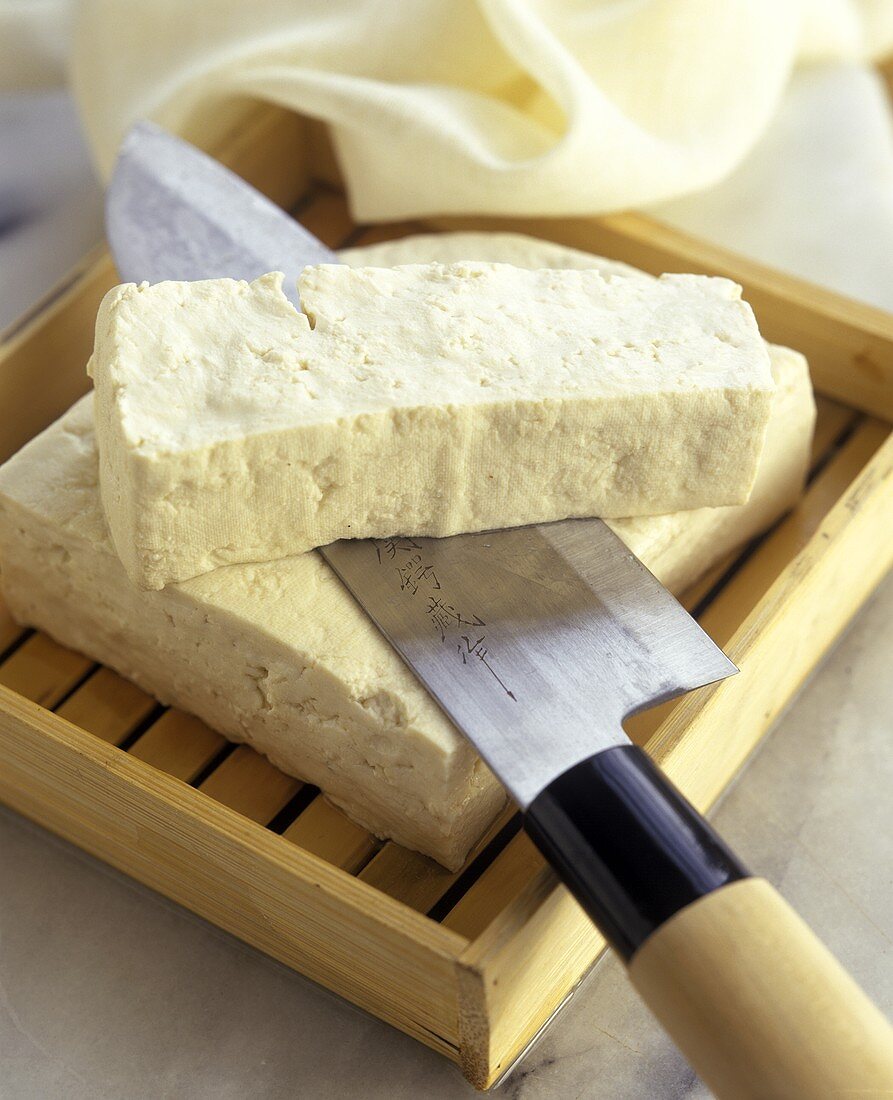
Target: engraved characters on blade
(415, 575)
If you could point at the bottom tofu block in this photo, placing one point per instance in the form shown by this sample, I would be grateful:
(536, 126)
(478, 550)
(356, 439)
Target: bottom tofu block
(278, 655)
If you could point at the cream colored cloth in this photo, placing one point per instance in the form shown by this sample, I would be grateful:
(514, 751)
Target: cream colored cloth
(490, 106)
(510, 107)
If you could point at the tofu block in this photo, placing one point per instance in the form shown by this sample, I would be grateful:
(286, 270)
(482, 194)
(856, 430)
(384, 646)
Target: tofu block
(279, 655)
(678, 547)
(417, 400)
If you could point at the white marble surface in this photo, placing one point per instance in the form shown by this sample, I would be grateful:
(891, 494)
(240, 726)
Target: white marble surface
(109, 991)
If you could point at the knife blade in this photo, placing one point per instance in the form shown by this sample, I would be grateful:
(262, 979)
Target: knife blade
(173, 213)
(538, 642)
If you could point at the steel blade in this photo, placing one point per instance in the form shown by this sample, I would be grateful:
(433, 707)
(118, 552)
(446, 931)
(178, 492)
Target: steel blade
(174, 213)
(536, 641)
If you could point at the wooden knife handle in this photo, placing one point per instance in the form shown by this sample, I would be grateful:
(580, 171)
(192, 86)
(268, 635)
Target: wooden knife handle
(757, 1004)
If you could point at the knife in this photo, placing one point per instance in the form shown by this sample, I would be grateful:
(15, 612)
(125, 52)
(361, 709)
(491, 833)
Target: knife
(538, 642)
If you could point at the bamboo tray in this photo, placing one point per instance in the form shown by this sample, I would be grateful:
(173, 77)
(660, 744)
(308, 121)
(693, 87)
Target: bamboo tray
(473, 964)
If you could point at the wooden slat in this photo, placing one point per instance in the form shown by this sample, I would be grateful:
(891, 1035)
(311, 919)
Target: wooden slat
(393, 231)
(249, 784)
(832, 420)
(326, 216)
(414, 879)
(179, 745)
(42, 670)
(693, 596)
(408, 877)
(107, 706)
(329, 834)
(742, 592)
(503, 880)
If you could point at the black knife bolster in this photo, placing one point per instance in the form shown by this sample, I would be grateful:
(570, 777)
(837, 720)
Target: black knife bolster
(630, 847)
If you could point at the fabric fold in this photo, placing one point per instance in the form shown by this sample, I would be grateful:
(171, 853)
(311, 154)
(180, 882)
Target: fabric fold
(494, 106)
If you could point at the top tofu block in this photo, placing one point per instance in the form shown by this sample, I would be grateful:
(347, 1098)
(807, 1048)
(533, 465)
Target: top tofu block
(417, 400)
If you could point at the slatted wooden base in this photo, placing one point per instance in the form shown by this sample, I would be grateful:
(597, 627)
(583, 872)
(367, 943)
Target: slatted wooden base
(472, 963)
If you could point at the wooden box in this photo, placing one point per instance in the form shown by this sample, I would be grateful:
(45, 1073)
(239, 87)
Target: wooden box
(473, 964)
